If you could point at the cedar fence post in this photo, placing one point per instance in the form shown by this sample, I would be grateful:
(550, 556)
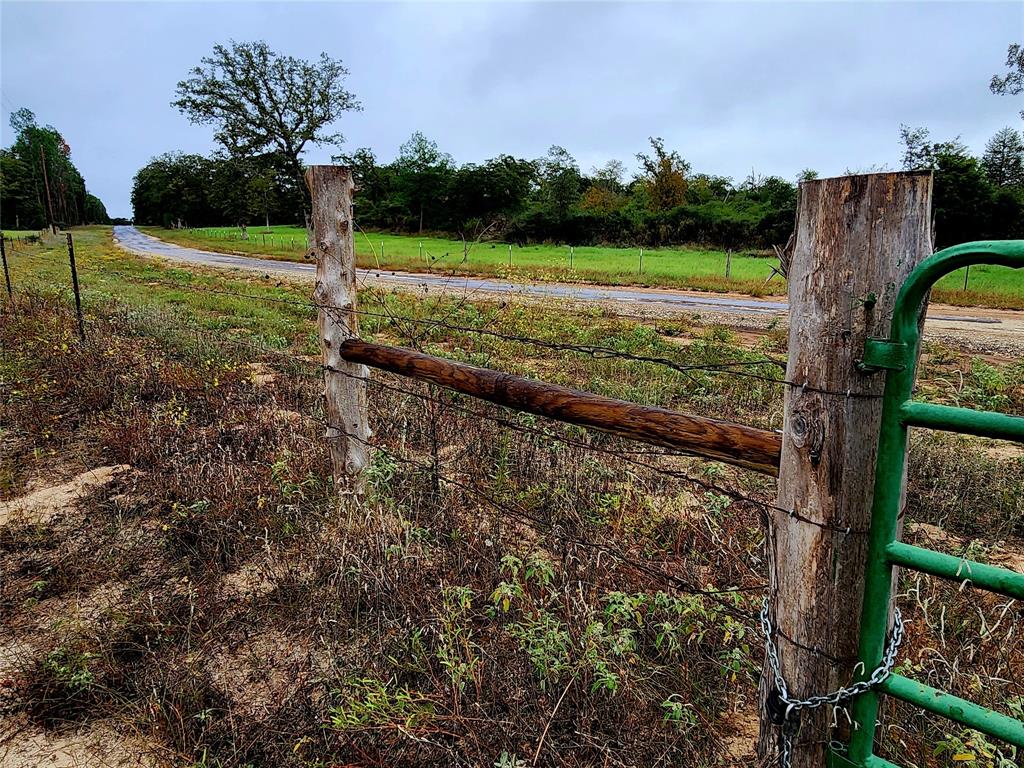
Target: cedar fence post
(74, 285)
(857, 239)
(7, 274)
(331, 189)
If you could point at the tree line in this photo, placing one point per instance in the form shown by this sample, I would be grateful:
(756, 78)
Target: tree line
(551, 199)
(517, 199)
(39, 184)
(266, 108)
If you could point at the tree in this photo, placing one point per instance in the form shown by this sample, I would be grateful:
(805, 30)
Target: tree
(921, 154)
(1012, 83)
(1003, 161)
(39, 182)
(807, 174)
(95, 211)
(261, 101)
(424, 171)
(174, 188)
(664, 175)
(560, 183)
(963, 200)
(609, 176)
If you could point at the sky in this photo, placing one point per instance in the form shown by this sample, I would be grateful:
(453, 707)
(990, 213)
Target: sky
(734, 87)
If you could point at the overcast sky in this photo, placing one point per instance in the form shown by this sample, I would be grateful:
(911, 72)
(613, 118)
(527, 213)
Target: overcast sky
(774, 87)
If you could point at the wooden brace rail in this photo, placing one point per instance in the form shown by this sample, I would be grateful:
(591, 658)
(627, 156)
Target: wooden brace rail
(755, 449)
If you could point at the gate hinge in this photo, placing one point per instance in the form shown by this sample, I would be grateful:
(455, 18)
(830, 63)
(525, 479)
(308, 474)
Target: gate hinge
(882, 354)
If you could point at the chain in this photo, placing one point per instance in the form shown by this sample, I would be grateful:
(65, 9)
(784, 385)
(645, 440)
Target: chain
(789, 716)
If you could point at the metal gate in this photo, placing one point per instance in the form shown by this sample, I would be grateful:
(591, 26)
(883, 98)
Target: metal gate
(897, 356)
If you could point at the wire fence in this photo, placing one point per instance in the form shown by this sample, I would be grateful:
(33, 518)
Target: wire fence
(403, 324)
(414, 331)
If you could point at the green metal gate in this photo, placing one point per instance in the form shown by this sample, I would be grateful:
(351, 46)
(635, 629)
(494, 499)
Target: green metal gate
(897, 356)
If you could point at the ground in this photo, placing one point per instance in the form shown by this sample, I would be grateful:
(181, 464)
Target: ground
(183, 587)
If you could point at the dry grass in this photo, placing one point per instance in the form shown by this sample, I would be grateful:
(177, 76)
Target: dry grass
(504, 596)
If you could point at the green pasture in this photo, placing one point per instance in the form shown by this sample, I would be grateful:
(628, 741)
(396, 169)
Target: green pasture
(681, 267)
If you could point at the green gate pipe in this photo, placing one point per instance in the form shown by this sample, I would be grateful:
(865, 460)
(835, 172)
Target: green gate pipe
(898, 355)
(981, 423)
(941, 703)
(989, 577)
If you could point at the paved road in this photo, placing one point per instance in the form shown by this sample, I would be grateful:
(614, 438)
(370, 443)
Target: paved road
(139, 242)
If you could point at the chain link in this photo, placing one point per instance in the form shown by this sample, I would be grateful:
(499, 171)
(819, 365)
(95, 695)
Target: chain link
(790, 719)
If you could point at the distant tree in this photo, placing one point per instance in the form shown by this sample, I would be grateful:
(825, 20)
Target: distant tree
(609, 176)
(963, 199)
(22, 119)
(921, 154)
(664, 175)
(560, 183)
(423, 172)
(1012, 83)
(807, 174)
(601, 200)
(174, 188)
(40, 159)
(491, 195)
(261, 101)
(1003, 161)
(704, 187)
(261, 185)
(95, 211)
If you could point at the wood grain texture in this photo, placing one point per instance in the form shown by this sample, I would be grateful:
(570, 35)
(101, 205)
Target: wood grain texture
(857, 239)
(743, 446)
(331, 188)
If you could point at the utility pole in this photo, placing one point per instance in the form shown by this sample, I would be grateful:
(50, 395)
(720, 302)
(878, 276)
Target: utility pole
(7, 274)
(74, 284)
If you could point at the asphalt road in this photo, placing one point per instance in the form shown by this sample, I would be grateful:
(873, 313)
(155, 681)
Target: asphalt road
(133, 240)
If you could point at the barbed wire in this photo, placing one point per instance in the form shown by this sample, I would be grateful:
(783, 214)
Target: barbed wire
(595, 351)
(542, 526)
(628, 457)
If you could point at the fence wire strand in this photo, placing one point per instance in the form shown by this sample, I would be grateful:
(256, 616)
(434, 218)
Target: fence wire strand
(732, 367)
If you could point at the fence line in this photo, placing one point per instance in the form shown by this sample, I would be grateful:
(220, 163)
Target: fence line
(619, 454)
(827, 455)
(744, 446)
(594, 351)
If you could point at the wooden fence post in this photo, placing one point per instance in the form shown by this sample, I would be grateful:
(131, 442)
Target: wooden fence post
(7, 274)
(857, 239)
(331, 189)
(74, 284)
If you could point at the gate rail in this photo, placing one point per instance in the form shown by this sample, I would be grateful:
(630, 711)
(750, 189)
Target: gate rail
(898, 356)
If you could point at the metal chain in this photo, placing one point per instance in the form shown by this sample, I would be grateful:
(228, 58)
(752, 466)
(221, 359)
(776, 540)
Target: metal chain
(790, 718)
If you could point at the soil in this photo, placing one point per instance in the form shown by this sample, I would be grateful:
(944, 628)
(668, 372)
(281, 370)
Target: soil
(23, 743)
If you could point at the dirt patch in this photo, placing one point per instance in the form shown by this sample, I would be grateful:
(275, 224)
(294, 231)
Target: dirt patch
(1003, 554)
(90, 745)
(262, 375)
(44, 504)
(261, 673)
(247, 582)
(1005, 451)
(287, 416)
(740, 738)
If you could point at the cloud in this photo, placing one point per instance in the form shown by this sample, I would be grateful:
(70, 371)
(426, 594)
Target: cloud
(775, 87)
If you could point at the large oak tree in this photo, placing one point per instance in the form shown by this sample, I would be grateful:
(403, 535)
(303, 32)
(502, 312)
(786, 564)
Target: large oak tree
(261, 101)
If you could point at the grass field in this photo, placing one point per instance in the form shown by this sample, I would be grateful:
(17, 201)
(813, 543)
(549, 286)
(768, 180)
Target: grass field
(21, 234)
(217, 606)
(687, 268)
